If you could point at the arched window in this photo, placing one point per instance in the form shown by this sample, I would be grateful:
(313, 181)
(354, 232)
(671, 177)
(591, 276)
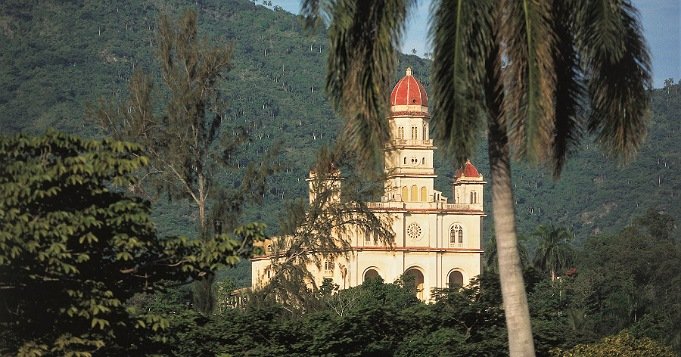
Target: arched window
(424, 194)
(371, 274)
(414, 132)
(414, 193)
(405, 194)
(414, 279)
(474, 197)
(400, 132)
(423, 161)
(455, 279)
(405, 160)
(425, 132)
(455, 236)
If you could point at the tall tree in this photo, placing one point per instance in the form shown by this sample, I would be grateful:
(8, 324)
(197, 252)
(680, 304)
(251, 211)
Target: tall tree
(537, 75)
(185, 143)
(336, 210)
(67, 241)
(492, 260)
(554, 252)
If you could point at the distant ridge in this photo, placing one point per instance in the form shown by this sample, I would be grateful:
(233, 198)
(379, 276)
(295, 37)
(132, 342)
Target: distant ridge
(57, 57)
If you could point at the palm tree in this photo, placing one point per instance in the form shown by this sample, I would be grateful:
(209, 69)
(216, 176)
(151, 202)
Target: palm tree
(536, 76)
(554, 252)
(491, 258)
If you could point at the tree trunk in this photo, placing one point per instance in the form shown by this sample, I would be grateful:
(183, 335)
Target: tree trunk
(517, 313)
(516, 310)
(204, 295)
(203, 227)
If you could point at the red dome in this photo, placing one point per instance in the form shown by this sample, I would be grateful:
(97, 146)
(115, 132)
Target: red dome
(409, 91)
(468, 170)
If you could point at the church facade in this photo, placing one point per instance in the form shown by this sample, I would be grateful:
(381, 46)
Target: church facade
(437, 243)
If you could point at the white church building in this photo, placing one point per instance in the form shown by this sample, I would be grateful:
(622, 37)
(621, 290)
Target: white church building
(438, 242)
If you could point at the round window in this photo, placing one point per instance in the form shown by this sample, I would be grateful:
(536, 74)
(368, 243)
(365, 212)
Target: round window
(414, 231)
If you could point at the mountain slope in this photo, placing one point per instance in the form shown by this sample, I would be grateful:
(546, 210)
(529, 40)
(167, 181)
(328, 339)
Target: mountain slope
(59, 56)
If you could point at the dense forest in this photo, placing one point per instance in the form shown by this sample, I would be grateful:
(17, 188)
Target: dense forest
(61, 60)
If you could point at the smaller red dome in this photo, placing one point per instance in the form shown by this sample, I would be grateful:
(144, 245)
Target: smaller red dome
(409, 91)
(468, 170)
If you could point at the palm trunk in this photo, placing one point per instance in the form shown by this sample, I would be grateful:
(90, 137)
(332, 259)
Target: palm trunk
(516, 310)
(517, 313)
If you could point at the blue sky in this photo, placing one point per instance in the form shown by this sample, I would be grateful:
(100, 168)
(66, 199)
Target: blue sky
(661, 24)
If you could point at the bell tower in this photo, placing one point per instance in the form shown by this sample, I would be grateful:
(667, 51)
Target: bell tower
(467, 187)
(409, 155)
(436, 242)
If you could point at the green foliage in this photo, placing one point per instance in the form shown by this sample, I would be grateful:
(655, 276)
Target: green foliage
(628, 280)
(337, 208)
(374, 319)
(528, 68)
(554, 253)
(276, 64)
(75, 52)
(364, 38)
(623, 344)
(187, 147)
(74, 248)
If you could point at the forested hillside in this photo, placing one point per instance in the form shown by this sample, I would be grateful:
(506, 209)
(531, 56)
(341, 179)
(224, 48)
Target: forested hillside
(116, 275)
(59, 57)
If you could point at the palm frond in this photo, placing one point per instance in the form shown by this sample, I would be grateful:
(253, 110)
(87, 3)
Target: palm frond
(618, 80)
(570, 89)
(462, 35)
(600, 26)
(364, 39)
(527, 39)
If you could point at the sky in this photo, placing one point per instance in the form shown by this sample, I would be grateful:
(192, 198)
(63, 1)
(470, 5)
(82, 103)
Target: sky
(661, 25)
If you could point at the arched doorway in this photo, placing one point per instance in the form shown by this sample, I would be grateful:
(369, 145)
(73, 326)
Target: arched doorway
(372, 274)
(455, 279)
(414, 278)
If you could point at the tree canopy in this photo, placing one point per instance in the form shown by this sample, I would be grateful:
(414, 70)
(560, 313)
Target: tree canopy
(75, 247)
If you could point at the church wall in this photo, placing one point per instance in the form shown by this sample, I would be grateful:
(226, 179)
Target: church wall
(466, 263)
(471, 231)
(422, 217)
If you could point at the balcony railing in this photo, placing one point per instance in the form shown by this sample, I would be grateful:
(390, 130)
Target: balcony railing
(412, 170)
(411, 142)
(424, 205)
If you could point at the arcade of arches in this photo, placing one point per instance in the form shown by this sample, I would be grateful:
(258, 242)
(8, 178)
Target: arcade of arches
(415, 197)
